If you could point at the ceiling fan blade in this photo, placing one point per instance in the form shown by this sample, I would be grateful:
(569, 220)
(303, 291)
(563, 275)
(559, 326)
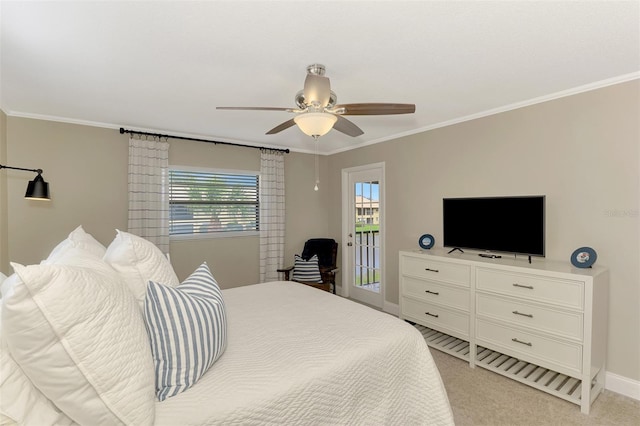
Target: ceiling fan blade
(347, 127)
(281, 127)
(256, 108)
(317, 89)
(376, 109)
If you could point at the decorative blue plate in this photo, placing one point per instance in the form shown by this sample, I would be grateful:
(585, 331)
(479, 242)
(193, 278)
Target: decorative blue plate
(426, 241)
(584, 257)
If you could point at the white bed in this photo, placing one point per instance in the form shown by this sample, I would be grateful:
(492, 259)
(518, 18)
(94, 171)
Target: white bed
(298, 355)
(76, 349)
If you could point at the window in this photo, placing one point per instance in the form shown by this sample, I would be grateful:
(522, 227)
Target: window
(213, 202)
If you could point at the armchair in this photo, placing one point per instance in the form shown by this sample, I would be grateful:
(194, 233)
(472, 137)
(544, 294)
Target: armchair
(327, 251)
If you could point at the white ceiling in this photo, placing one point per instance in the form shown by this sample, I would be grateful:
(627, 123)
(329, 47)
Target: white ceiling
(164, 66)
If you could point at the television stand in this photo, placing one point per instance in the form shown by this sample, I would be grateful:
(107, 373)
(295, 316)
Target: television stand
(555, 341)
(454, 249)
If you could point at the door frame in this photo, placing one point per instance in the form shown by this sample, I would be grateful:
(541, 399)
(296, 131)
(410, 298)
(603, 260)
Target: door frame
(347, 222)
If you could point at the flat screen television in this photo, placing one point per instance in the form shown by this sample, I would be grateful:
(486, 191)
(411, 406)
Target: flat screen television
(495, 224)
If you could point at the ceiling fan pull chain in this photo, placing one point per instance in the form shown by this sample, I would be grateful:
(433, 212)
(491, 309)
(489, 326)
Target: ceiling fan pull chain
(315, 140)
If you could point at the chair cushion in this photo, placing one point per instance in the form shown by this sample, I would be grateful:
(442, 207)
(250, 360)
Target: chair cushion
(322, 247)
(306, 270)
(187, 328)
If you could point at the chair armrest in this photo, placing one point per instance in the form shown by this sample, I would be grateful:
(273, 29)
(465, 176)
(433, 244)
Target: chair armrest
(328, 270)
(286, 271)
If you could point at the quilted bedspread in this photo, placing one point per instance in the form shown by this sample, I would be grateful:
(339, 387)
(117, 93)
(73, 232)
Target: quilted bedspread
(298, 355)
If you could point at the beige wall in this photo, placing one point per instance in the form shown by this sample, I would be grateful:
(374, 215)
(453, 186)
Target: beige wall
(307, 211)
(86, 168)
(4, 251)
(579, 151)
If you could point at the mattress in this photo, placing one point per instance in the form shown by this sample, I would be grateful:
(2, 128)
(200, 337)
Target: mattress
(298, 355)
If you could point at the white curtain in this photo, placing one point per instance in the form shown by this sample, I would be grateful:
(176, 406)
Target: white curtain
(148, 191)
(271, 214)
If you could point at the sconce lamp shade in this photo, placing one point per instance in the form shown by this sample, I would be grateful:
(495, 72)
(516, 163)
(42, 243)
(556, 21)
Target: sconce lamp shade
(37, 189)
(315, 123)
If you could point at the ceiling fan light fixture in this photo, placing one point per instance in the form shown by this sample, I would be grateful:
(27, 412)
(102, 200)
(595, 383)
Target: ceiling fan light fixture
(315, 123)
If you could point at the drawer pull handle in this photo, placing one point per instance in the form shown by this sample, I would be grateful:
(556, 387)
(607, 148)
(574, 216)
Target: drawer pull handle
(520, 341)
(530, 287)
(524, 315)
(431, 270)
(432, 315)
(432, 292)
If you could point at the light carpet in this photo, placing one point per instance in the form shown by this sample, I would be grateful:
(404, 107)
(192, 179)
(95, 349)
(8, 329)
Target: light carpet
(481, 397)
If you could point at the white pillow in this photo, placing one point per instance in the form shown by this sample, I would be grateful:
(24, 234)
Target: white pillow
(21, 401)
(188, 330)
(139, 261)
(78, 238)
(78, 334)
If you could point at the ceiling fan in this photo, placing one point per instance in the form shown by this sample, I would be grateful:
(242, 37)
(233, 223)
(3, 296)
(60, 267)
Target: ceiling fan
(318, 113)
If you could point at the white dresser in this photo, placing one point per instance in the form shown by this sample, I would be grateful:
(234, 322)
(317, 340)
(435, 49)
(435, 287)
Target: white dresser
(543, 324)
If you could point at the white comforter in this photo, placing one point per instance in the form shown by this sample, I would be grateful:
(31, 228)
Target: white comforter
(298, 355)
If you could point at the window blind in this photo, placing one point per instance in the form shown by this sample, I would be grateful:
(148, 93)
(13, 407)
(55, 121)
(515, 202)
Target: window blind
(203, 202)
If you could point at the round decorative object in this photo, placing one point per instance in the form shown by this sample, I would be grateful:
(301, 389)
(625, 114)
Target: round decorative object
(584, 257)
(426, 241)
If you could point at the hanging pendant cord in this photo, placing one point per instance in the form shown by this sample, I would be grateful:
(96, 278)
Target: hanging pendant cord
(158, 135)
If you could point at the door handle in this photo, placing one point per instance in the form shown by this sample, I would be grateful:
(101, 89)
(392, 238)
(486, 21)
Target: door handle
(349, 244)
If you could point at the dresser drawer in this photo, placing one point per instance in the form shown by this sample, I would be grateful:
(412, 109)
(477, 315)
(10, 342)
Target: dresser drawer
(434, 270)
(437, 317)
(518, 312)
(561, 356)
(547, 290)
(431, 291)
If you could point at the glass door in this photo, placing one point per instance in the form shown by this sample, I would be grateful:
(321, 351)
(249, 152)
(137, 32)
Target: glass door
(364, 235)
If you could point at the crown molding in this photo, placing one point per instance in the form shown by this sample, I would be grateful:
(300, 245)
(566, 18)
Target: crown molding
(557, 95)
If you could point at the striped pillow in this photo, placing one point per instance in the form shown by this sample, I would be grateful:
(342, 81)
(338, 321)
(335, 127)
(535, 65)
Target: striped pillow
(187, 328)
(306, 270)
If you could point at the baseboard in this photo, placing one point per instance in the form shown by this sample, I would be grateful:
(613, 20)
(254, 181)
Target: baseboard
(622, 385)
(391, 308)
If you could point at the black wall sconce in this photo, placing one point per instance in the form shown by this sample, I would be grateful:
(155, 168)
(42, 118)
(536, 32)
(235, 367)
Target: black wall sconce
(37, 189)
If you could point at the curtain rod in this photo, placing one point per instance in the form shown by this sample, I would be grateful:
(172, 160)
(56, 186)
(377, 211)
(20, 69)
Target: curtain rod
(158, 135)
